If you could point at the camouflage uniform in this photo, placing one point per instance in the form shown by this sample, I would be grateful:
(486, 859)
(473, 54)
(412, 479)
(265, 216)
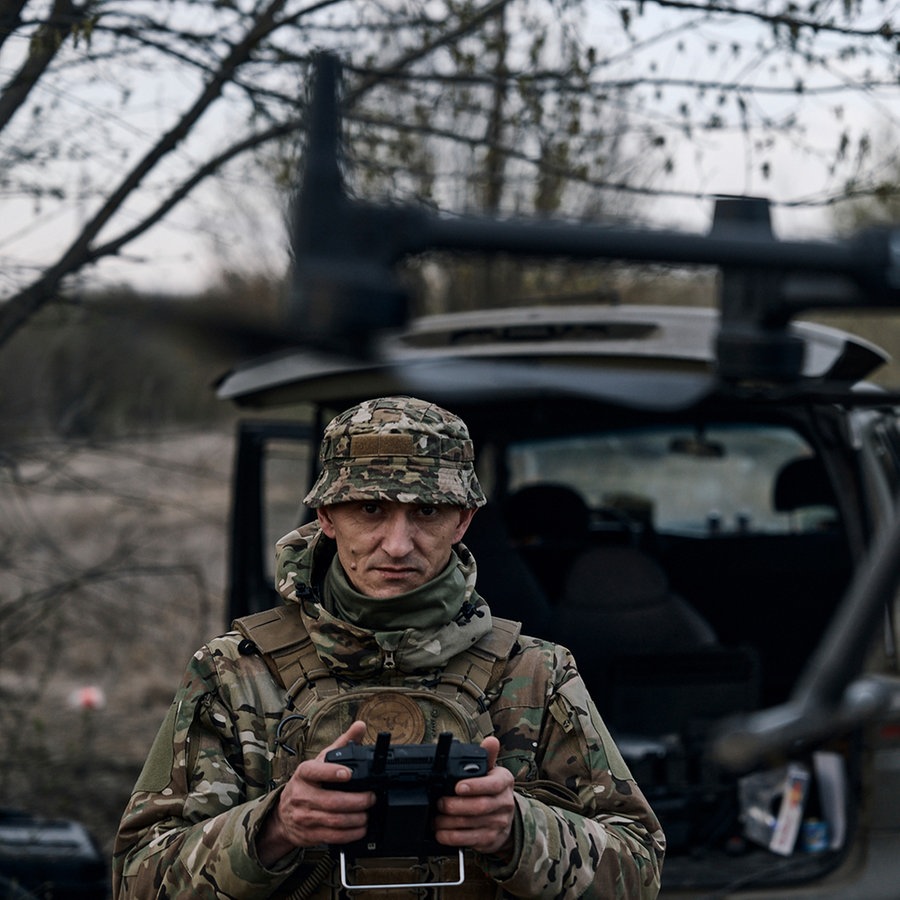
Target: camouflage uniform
(582, 827)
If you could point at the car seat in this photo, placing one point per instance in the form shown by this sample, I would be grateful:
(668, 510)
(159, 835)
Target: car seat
(659, 677)
(803, 484)
(617, 603)
(546, 511)
(621, 597)
(503, 578)
(549, 525)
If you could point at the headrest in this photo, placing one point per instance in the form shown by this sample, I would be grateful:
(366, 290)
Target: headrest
(546, 510)
(800, 483)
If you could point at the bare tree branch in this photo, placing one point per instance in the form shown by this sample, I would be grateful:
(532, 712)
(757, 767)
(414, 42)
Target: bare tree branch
(21, 307)
(10, 18)
(24, 304)
(64, 19)
(791, 18)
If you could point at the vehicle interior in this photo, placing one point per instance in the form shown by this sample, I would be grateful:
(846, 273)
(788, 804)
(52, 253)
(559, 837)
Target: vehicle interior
(691, 565)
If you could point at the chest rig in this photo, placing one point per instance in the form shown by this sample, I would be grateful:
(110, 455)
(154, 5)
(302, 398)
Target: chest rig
(320, 706)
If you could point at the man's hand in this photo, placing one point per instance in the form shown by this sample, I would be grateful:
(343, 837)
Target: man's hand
(309, 815)
(480, 814)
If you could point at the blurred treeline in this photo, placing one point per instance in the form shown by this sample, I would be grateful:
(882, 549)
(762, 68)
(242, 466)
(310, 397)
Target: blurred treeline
(104, 365)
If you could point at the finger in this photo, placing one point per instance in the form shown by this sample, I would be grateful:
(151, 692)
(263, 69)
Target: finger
(492, 746)
(496, 781)
(339, 803)
(355, 732)
(311, 827)
(340, 836)
(317, 771)
(484, 839)
(317, 819)
(475, 785)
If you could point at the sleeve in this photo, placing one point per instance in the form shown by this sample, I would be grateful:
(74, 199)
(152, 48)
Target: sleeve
(190, 826)
(583, 828)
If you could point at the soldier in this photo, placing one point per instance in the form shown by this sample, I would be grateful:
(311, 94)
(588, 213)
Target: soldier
(382, 629)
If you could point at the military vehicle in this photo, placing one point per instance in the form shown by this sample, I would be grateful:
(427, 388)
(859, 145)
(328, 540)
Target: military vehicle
(49, 858)
(700, 504)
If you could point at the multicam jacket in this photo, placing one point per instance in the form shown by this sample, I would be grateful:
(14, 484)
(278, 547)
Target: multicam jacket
(583, 828)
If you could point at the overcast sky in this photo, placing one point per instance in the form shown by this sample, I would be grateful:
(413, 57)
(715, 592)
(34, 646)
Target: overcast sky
(247, 214)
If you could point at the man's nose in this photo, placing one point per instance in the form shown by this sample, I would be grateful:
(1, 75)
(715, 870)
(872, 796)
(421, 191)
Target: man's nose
(397, 536)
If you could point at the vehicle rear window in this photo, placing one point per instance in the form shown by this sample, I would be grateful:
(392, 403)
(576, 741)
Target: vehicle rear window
(721, 479)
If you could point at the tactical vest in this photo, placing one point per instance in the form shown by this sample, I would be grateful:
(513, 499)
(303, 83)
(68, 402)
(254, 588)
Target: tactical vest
(320, 707)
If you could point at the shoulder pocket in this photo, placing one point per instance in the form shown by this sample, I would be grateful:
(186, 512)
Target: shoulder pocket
(585, 731)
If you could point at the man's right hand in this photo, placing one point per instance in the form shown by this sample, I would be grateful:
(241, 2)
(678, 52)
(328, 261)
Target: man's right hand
(309, 815)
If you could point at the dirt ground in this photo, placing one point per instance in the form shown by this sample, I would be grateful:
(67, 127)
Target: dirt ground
(112, 572)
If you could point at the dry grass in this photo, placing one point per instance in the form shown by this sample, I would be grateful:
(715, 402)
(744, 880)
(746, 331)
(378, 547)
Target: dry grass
(113, 571)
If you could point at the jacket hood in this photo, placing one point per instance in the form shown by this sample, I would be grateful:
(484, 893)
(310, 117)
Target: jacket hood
(303, 558)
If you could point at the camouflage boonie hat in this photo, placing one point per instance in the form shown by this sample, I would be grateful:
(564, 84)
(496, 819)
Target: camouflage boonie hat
(400, 449)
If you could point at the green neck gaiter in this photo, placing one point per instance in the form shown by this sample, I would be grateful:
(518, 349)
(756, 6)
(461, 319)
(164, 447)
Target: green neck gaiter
(421, 630)
(430, 606)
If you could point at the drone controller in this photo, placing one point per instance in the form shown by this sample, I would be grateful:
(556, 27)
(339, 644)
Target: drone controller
(407, 780)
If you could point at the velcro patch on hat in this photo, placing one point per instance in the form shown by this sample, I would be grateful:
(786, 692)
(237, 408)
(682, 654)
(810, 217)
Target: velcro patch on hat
(368, 445)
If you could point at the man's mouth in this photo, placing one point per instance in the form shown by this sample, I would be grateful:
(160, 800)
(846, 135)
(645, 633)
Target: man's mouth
(396, 571)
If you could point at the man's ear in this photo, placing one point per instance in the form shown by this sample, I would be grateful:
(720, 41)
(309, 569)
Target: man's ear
(325, 521)
(465, 519)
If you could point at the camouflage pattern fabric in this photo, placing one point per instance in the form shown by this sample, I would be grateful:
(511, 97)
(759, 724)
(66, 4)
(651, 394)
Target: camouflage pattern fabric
(397, 448)
(582, 829)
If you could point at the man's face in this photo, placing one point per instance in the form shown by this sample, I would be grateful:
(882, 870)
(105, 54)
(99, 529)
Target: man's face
(389, 548)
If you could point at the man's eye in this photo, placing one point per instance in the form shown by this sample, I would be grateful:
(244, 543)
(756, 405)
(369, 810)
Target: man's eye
(428, 511)
(370, 508)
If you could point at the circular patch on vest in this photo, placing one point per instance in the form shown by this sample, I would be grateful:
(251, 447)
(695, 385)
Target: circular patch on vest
(395, 713)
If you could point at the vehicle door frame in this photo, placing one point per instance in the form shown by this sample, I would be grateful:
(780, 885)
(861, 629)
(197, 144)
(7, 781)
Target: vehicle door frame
(249, 586)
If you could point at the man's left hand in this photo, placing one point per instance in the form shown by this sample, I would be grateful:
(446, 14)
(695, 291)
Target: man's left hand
(480, 814)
